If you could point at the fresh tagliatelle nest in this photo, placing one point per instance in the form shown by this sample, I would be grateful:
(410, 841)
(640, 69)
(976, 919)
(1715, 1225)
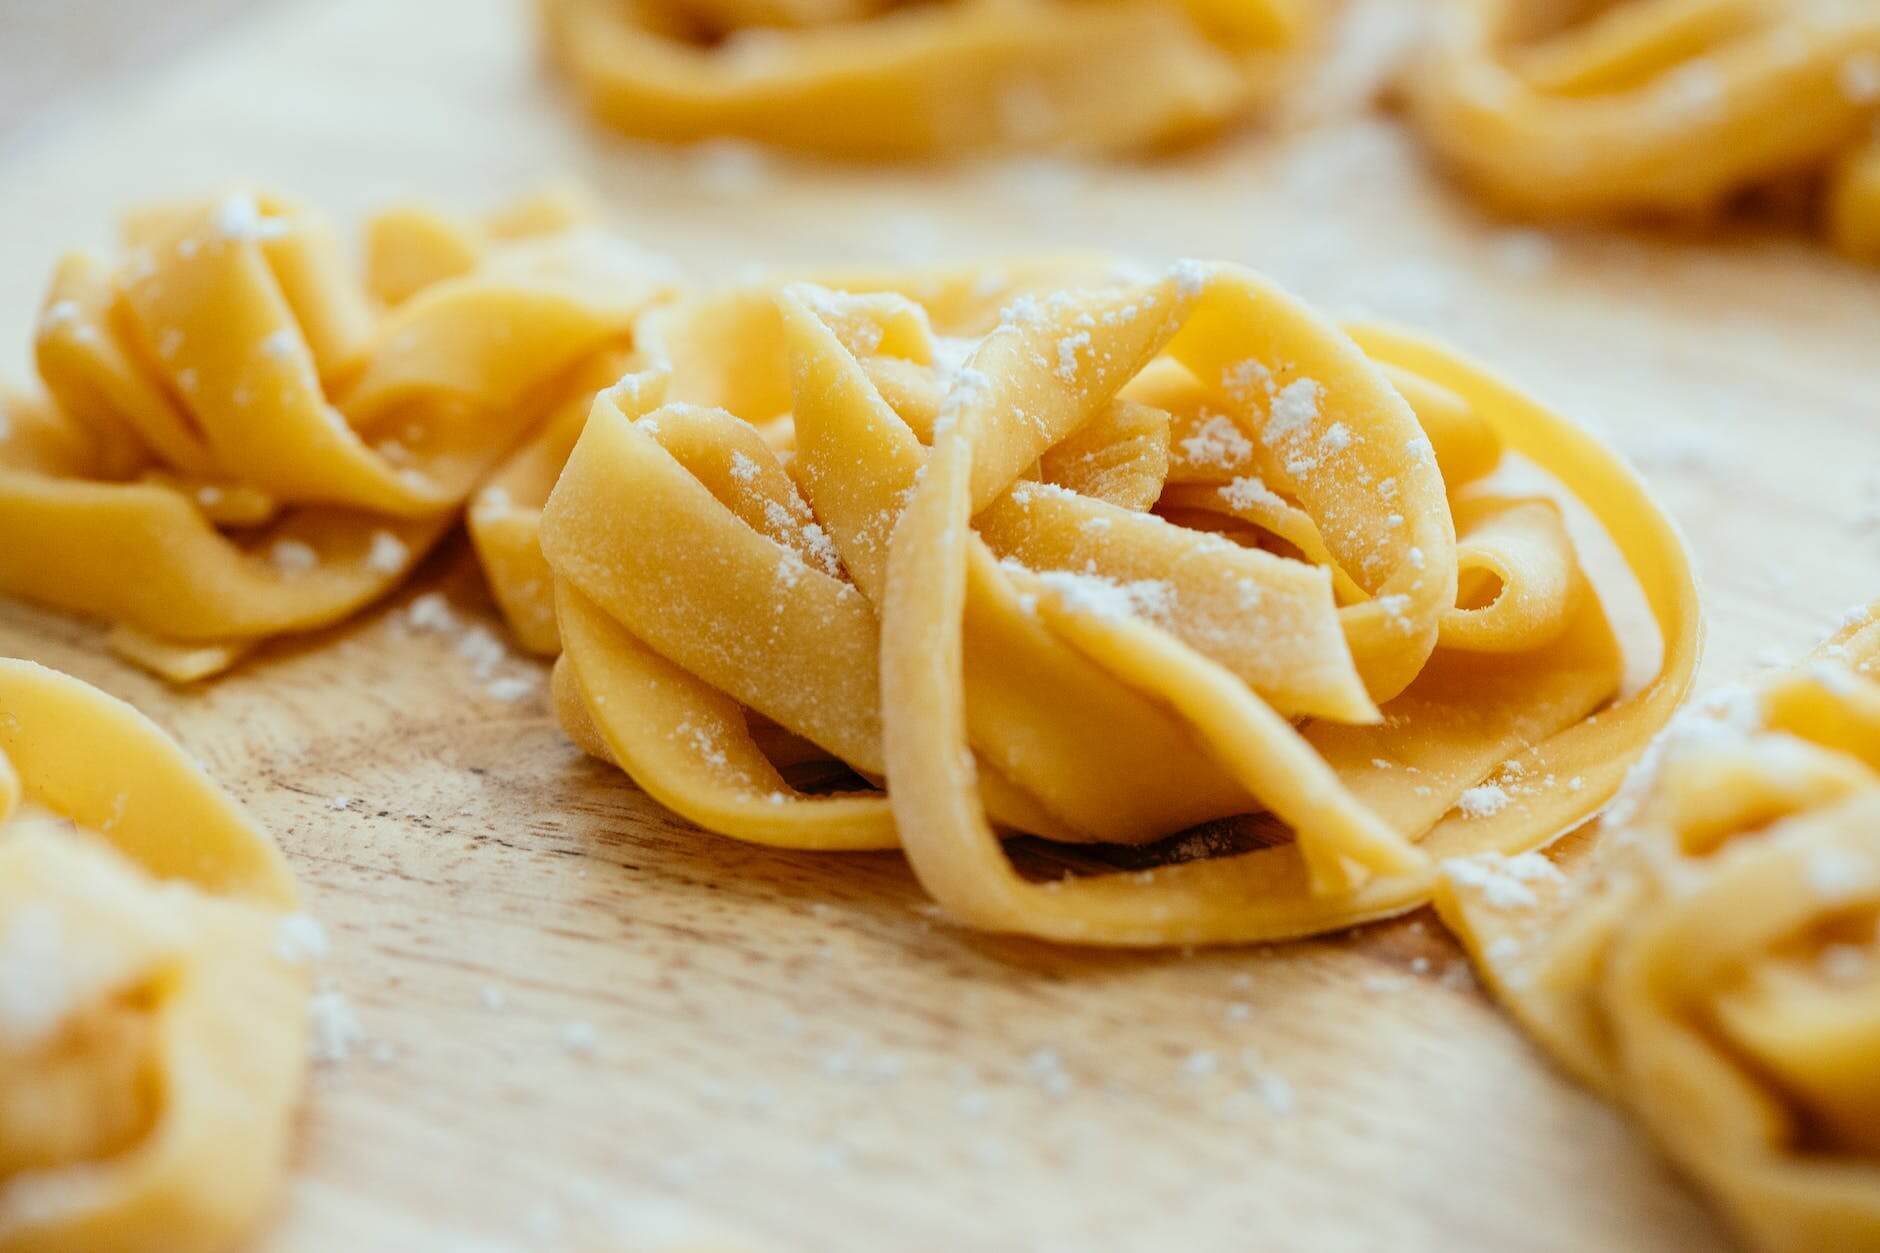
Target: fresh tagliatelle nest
(264, 442)
(891, 79)
(1590, 107)
(153, 1023)
(1713, 963)
(1098, 560)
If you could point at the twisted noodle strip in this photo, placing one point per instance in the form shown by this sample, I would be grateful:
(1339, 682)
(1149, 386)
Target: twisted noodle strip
(690, 340)
(1659, 105)
(152, 1040)
(882, 78)
(1146, 555)
(236, 422)
(1714, 964)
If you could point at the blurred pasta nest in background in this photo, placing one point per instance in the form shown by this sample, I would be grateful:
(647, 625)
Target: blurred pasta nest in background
(153, 987)
(1598, 107)
(890, 79)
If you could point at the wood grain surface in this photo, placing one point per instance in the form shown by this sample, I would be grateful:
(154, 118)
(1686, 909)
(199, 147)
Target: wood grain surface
(587, 1026)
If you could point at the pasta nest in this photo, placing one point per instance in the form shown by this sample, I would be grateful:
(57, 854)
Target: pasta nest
(1714, 963)
(888, 79)
(1098, 560)
(153, 1041)
(1580, 108)
(272, 443)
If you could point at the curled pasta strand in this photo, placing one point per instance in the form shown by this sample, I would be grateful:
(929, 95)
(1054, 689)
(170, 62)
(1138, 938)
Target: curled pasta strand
(1713, 963)
(891, 80)
(154, 1039)
(1666, 106)
(1122, 558)
(238, 419)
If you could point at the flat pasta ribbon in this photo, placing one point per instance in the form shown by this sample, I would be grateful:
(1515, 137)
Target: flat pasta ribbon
(889, 79)
(1713, 964)
(1583, 108)
(1145, 555)
(243, 440)
(153, 1038)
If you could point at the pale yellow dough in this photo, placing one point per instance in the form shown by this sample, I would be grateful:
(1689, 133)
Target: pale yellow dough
(1713, 964)
(1594, 107)
(152, 1034)
(243, 440)
(889, 79)
(1126, 557)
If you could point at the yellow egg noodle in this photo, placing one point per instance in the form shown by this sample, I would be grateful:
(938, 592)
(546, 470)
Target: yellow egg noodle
(270, 442)
(1591, 107)
(1713, 964)
(153, 1013)
(891, 79)
(1149, 553)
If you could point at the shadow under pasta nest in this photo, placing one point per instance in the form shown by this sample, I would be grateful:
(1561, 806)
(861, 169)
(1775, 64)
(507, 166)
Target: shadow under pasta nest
(875, 892)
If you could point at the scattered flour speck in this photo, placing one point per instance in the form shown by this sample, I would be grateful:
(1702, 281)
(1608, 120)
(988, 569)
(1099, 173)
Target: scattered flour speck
(299, 938)
(291, 556)
(387, 554)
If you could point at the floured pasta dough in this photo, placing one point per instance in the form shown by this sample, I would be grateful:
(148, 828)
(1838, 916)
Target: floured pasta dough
(886, 78)
(1593, 107)
(1149, 553)
(243, 440)
(152, 1030)
(1713, 963)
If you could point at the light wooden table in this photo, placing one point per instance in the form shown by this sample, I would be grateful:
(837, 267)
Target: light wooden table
(789, 1053)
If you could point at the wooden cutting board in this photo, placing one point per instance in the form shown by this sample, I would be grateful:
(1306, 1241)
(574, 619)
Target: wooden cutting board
(788, 1052)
